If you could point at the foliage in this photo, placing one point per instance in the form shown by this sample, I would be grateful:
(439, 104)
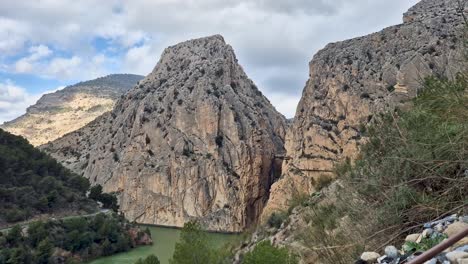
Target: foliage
(265, 253)
(87, 237)
(151, 259)
(425, 244)
(195, 248)
(108, 200)
(276, 219)
(31, 182)
(412, 170)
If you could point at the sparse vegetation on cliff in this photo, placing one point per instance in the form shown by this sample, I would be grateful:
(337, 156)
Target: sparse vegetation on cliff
(412, 170)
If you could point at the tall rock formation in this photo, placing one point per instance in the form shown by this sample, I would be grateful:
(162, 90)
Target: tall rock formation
(351, 81)
(56, 114)
(195, 139)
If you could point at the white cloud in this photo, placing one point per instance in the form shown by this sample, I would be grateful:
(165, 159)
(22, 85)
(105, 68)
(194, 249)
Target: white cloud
(14, 100)
(274, 40)
(141, 60)
(26, 64)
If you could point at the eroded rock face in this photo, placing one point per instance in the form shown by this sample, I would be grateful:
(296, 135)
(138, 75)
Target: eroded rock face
(56, 114)
(195, 139)
(351, 81)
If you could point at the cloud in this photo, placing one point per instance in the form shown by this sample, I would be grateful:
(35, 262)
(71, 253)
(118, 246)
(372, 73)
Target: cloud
(25, 64)
(14, 100)
(274, 40)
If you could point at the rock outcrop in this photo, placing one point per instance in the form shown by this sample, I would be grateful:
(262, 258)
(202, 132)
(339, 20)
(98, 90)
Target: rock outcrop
(71, 108)
(195, 139)
(351, 81)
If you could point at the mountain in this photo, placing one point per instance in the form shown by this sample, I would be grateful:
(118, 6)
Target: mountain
(353, 80)
(195, 139)
(56, 114)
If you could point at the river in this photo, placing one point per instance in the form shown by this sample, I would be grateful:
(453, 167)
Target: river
(164, 239)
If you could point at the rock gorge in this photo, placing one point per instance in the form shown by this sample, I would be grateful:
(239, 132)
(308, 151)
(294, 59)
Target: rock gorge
(195, 139)
(66, 110)
(353, 80)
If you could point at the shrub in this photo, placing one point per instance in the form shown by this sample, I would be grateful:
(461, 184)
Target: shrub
(410, 171)
(265, 253)
(276, 219)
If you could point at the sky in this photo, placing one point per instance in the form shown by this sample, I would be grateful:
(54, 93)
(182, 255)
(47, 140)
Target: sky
(48, 44)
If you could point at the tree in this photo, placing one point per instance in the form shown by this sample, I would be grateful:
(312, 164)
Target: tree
(95, 192)
(14, 236)
(151, 259)
(43, 252)
(193, 247)
(266, 253)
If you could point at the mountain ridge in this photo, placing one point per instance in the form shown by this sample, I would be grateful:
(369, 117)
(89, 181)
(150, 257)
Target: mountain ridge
(70, 108)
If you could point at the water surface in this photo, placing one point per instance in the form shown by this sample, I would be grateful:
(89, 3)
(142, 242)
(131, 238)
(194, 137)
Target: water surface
(164, 239)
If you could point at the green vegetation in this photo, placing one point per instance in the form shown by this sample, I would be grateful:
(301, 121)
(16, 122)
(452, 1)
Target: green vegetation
(265, 253)
(412, 169)
(108, 200)
(32, 183)
(425, 244)
(151, 259)
(77, 238)
(195, 248)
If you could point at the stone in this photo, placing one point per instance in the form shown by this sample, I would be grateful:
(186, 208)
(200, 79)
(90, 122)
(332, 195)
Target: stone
(462, 261)
(455, 228)
(66, 110)
(195, 140)
(351, 81)
(427, 232)
(463, 248)
(391, 252)
(464, 218)
(454, 256)
(432, 261)
(370, 257)
(439, 227)
(412, 237)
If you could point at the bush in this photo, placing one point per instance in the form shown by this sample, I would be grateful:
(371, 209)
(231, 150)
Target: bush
(410, 171)
(276, 219)
(265, 253)
(151, 259)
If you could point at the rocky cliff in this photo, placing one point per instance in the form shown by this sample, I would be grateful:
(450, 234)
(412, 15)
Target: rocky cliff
(195, 139)
(351, 81)
(71, 108)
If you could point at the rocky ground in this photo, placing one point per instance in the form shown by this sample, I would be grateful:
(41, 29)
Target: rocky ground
(431, 234)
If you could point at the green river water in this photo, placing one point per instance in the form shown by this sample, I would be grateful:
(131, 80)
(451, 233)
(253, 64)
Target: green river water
(164, 239)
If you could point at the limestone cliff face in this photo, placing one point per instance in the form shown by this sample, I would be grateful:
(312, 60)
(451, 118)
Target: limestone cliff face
(195, 139)
(351, 81)
(71, 108)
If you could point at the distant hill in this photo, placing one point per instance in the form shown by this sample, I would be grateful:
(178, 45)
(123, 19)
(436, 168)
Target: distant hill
(33, 183)
(71, 108)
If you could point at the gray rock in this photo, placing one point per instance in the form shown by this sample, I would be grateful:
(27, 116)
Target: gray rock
(353, 80)
(370, 257)
(454, 256)
(195, 140)
(391, 252)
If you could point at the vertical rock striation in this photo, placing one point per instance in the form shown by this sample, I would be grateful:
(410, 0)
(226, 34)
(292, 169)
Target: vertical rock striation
(351, 81)
(195, 139)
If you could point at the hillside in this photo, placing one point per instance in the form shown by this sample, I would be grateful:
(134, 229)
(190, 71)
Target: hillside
(32, 183)
(195, 139)
(58, 113)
